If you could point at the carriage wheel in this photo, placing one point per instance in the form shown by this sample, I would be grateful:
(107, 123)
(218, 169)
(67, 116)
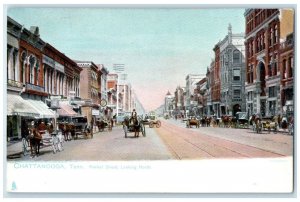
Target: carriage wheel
(158, 124)
(143, 130)
(125, 130)
(25, 146)
(151, 124)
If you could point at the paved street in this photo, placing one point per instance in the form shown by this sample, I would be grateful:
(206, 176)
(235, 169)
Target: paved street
(210, 142)
(171, 141)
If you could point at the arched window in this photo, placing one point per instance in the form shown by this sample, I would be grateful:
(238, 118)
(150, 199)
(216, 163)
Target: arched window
(32, 61)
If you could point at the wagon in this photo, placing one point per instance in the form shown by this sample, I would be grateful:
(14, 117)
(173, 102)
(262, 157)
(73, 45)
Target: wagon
(152, 121)
(133, 127)
(242, 120)
(269, 124)
(192, 121)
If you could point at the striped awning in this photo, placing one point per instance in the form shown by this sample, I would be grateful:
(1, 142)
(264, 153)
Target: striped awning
(16, 105)
(42, 108)
(66, 110)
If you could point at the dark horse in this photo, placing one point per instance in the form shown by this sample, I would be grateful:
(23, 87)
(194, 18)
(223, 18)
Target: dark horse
(132, 125)
(255, 121)
(34, 141)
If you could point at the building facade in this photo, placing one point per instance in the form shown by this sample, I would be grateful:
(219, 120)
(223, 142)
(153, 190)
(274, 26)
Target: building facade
(232, 64)
(89, 89)
(265, 29)
(191, 85)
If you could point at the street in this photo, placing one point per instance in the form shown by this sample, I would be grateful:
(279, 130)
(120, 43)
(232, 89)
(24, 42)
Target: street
(172, 141)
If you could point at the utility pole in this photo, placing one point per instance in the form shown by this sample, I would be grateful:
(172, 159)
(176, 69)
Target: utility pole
(118, 68)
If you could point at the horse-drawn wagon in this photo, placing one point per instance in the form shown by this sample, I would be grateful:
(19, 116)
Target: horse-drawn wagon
(242, 120)
(192, 121)
(135, 125)
(75, 126)
(104, 123)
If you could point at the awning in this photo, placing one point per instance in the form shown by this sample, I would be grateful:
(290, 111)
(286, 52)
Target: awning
(42, 108)
(66, 110)
(16, 105)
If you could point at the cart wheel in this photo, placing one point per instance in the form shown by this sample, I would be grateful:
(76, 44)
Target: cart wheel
(151, 124)
(158, 124)
(143, 130)
(125, 131)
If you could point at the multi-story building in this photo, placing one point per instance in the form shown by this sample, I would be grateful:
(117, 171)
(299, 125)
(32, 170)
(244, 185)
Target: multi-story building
(168, 105)
(265, 29)
(210, 84)
(191, 104)
(25, 78)
(200, 96)
(216, 98)
(179, 102)
(61, 79)
(89, 89)
(103, 81)
(286, 65)
(232, 65)
(112, 82)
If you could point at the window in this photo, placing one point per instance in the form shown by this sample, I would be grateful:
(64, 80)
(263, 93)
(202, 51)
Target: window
(276, 35)
(236, 57)
(237, 93)
(236, 74)
(284, 75)
(271, 37)
(272, 107)
(272, 91)
(250, 96)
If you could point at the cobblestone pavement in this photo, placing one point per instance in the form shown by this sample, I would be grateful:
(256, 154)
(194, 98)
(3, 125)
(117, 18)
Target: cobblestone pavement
(214, 142)
(104, 146)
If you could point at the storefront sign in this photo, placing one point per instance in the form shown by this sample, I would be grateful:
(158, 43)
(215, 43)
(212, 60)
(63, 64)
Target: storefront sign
(95, 112)
(48, 61)
(34, 87)
(59, 67)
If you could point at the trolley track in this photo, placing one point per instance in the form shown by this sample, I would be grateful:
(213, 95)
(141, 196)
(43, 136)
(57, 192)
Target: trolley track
(187, 144)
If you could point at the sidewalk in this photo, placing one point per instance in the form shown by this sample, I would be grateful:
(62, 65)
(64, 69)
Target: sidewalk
(14, 149)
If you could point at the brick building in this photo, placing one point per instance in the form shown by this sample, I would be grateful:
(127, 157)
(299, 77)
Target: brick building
(265, 28)
(89, 89)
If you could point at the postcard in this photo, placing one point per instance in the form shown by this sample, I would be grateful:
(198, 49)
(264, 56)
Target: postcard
(149, 100)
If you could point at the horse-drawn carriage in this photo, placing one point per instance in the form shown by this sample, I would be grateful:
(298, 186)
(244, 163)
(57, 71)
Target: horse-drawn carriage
(36, 137)
(135, 125)
(192, 121)
(242, 120)
(73, 127)
(260, 124)
(152, 121)
(103, 123)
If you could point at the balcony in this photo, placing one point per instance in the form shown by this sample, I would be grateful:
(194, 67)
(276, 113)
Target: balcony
(34, 88)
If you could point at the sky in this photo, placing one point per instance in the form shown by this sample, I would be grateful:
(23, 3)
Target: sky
(158, 47)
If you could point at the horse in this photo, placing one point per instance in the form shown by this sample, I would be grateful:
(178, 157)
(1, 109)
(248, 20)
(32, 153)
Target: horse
(57, 139)
(225, 121)
(34, 141)
(255, 121)
(132, 124)
(65, 130)
(192, 122)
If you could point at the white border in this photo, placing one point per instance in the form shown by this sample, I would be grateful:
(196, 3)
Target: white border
(133, 3)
